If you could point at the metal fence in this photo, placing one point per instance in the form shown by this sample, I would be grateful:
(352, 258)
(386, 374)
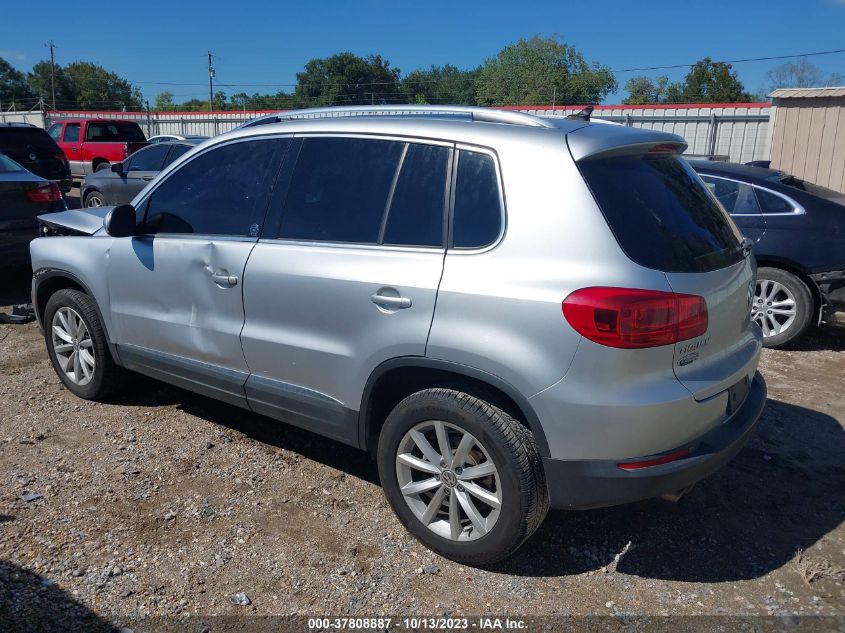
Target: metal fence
(740, 132)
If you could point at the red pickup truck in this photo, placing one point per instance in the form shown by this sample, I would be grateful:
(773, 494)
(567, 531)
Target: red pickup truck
(94, 144)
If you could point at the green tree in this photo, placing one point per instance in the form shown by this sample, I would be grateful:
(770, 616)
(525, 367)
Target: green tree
(95, 87)
(346, 79)
(164, 102)
(15, 92)
(801, 74)
(441, 85)
(644, 90)
(714, 82)
(538, 70)
(39, 81)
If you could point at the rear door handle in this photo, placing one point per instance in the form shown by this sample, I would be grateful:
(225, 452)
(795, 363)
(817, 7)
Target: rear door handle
(395, 303)
(147, 177)
(224, 279)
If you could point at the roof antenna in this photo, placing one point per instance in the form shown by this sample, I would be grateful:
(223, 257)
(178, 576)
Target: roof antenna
(583, 115)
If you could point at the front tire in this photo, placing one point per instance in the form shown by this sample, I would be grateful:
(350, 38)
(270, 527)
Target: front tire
(463, 476)
(76, 343)
(783, 306)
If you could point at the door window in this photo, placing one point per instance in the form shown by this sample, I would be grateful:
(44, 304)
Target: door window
(339, 190)
(72, 133)
(415, 217)
(147, 159)
(55, 131)
(478, 209)
(223, 191)
(737, 197)
(367, 191)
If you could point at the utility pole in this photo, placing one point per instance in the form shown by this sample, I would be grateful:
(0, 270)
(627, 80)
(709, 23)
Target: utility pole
(554, 98)
(52, 72)
(210, 83)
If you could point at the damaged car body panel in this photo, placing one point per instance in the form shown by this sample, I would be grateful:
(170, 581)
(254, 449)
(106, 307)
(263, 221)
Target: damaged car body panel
(73, 222)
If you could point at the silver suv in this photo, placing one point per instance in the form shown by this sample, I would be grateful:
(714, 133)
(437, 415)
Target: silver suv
(510, 313)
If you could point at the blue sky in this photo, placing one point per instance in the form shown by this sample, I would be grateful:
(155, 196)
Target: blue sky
(157, 41)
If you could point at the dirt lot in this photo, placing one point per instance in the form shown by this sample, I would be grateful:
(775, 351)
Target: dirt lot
(162, 502)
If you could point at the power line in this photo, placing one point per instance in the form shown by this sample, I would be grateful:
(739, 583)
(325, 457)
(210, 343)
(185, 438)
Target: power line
(423, 81)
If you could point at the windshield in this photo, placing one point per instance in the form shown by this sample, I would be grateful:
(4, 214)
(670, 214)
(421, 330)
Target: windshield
(662, 214)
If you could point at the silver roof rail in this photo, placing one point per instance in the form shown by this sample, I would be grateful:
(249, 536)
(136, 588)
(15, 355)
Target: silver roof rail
(487, 115)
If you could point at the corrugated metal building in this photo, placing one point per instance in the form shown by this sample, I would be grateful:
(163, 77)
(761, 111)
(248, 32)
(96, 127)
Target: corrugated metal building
(808, 137)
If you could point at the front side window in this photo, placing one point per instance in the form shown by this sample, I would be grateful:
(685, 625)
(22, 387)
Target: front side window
(71, 132)
(55, 131)
(223, 191)
(737, 197)
(478, 209)
(148, 159)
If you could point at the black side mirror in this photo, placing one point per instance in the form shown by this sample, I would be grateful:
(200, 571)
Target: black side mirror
(120, 221)
(117, 168)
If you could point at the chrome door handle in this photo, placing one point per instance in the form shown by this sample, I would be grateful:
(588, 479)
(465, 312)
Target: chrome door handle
(224, 279)
(147, 177)
(391, 302)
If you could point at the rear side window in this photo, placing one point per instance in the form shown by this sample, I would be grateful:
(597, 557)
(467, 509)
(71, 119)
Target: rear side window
(477, 218)
(367, 191)
(114, 133)
(221, 192)
(661, 215)
(175, 153)
(774, 204)
(148, 159)
(736, 197)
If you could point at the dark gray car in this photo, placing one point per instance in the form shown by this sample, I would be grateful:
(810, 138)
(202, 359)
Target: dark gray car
(23, 196)
(125, 180)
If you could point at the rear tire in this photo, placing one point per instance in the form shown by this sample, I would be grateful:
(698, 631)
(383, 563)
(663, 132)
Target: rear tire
(486, 493)
(94, 199)
(103, 164)
(783, 306)
(76, 343)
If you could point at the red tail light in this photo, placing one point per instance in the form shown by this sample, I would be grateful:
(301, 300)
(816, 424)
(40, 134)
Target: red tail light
(45, 193)
(629, 318)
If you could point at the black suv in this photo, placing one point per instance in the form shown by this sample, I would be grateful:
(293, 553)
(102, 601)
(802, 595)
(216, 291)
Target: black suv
(32, 148)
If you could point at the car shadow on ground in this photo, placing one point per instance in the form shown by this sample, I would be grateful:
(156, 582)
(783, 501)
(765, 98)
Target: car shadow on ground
(818, 339)
(33, 603)
(782, 493)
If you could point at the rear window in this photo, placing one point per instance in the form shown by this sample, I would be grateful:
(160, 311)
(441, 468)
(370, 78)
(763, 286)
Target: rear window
(21, 138)
(114, 132)
(661, 214)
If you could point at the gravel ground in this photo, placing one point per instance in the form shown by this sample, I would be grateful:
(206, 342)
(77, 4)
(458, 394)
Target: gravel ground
(163, 503)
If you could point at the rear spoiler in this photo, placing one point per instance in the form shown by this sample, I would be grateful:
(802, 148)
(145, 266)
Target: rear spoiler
(592, 141)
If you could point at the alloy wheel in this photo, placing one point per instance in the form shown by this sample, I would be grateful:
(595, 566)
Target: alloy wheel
(774, 308)
(73, 346)
(448, 480)
(94, 201)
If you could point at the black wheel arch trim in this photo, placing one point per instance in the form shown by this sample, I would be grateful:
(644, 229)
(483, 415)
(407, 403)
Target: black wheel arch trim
(43, 274)
(421, 362)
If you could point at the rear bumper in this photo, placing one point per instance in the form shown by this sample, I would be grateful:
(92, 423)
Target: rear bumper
(582, 484)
